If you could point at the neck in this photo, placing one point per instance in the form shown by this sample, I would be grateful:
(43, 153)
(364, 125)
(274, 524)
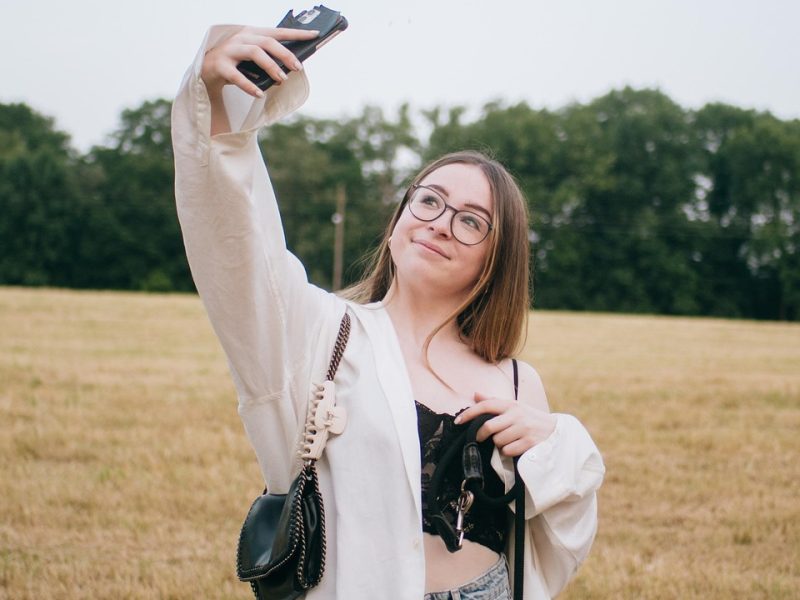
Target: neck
(417, 314)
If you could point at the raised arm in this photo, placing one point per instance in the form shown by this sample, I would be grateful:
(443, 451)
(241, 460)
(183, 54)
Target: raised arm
(256, 293)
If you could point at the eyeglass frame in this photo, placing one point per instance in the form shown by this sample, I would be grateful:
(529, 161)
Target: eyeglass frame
(456, 211)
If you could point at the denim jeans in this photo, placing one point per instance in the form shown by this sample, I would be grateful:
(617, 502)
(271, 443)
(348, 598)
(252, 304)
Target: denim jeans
(492, 585)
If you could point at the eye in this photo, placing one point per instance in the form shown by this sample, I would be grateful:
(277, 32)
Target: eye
(471, 221)
(430, 200)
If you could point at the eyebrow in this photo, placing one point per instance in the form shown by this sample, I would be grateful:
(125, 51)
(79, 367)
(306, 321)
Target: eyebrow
(471, 205)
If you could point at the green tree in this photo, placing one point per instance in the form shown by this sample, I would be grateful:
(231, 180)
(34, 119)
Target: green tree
(636, 203)
(606, 183)
(751, 202)
(631, 214)
(135, 236)
(308, 158)
(39, 210)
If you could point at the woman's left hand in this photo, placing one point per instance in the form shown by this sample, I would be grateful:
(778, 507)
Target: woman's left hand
(516, 428)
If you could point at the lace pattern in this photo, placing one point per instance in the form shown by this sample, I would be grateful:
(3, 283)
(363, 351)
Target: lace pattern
(482, 524)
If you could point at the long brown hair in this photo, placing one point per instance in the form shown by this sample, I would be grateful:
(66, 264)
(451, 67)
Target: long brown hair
(493, 317)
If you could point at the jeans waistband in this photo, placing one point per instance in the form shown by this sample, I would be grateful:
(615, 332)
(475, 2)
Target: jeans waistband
(492, 585)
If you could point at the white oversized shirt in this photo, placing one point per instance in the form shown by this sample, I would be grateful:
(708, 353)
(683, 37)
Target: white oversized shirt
(277, 331)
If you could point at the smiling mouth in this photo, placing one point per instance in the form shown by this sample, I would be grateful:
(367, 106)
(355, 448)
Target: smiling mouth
(432, 248)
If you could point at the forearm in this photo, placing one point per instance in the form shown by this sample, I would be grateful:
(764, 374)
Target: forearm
(219, 116)
(232, 229)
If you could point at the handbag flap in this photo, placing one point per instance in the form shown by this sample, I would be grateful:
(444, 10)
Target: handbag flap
(269, 534)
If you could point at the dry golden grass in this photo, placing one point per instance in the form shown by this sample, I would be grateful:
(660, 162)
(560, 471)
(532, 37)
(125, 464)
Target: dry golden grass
(126, 472)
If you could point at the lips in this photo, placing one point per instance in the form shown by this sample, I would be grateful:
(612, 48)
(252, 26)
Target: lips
(432, 247)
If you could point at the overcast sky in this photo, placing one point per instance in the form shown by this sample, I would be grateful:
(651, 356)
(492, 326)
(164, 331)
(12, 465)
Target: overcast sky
(83, 61)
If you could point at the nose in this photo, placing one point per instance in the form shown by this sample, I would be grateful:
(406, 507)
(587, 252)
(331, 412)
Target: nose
(442, 225)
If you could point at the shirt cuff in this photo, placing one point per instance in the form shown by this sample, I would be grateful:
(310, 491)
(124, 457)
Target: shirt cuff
(245, 113)
(566, 465)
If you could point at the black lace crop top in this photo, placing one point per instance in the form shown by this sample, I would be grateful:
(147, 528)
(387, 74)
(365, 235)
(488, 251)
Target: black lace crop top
(482, 524)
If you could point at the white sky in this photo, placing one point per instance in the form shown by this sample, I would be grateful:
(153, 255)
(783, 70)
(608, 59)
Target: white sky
(83, 61)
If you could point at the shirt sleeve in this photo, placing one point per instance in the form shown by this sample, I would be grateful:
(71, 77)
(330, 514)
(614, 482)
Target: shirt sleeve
(257, 295)
(562, 475)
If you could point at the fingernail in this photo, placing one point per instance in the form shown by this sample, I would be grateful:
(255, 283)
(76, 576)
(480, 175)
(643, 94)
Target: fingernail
(259, 93)
(457, 420)
(298, 65)
(284, 76)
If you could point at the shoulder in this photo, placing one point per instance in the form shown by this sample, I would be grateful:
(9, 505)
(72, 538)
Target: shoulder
(531, 388)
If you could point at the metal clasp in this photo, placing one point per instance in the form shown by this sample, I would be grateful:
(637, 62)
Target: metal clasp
(463, 505)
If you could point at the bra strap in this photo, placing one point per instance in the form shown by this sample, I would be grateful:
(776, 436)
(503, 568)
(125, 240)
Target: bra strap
(516, 378)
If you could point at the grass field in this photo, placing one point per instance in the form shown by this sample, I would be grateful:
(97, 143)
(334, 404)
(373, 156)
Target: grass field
(125, 470)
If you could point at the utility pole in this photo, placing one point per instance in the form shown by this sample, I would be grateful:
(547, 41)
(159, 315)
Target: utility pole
(338, 236)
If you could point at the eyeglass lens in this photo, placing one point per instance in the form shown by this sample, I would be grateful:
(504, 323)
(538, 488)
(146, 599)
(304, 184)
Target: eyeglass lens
(467, 227)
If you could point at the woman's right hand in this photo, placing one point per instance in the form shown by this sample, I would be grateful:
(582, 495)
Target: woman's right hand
(262, 45)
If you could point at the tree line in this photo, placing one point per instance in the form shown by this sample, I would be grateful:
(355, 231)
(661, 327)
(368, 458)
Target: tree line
(637, 204)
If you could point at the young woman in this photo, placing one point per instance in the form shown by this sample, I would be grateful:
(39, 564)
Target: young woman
(434, 326)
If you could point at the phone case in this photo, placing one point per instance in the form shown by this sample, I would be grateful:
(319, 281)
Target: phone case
(328, 22)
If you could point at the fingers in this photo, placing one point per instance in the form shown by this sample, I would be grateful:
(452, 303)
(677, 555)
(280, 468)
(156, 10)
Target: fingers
(509, 437)
(234, 76)
(273, 48)
(279, 51)
(494, 426)
(515, 428)
(284, 33)
(516, 448)
(260, 45)
(257, 54)
(485, 405)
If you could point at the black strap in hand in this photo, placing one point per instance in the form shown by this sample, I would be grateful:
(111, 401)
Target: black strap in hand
(519, 512)
(473, 481)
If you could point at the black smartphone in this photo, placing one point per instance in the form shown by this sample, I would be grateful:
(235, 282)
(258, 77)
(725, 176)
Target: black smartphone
(328, 22)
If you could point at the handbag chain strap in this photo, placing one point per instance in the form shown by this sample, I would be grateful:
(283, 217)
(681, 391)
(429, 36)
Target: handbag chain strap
(338, 349)
(323, 416)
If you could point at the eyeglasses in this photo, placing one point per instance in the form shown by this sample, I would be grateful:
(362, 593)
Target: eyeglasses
(466, 226)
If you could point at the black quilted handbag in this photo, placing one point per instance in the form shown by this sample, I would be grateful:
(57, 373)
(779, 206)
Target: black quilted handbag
(281, 550)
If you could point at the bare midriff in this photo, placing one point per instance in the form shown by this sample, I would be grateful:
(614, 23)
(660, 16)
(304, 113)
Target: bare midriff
(445, 570)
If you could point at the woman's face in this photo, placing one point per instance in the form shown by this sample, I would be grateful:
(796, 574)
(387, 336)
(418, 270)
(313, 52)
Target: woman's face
(426, 252)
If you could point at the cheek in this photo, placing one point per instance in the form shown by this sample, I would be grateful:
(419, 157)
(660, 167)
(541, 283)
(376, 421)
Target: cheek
(396, 241)
(401, 231)
(404, 222)
(477, 259)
